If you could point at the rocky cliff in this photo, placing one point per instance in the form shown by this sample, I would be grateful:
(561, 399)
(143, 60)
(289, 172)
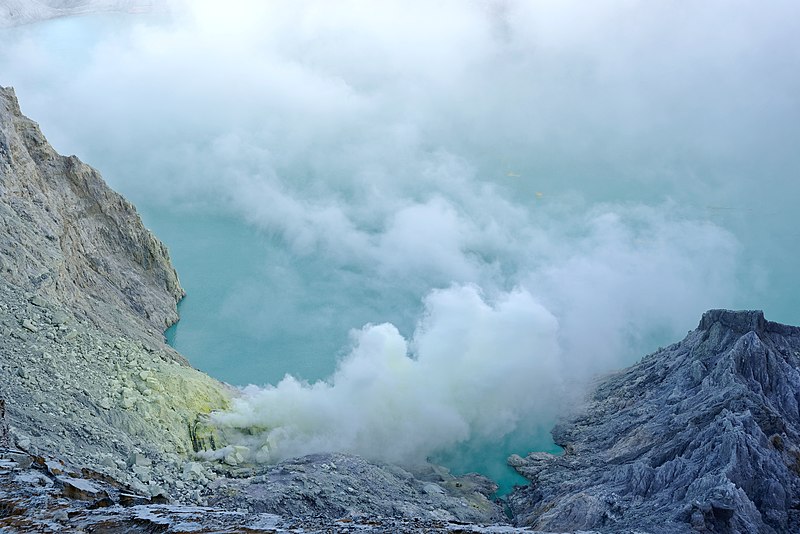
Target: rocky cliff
(69, 239)
(100, 420)
(703, 436)
(85, 294)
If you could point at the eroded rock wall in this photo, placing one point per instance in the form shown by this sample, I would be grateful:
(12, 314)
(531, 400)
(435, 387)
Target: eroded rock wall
(67, 238)
(86, 292)
(703, 436)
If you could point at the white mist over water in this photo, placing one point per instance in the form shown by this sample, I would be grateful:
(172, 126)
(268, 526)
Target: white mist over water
(478, 366)
(529, 192)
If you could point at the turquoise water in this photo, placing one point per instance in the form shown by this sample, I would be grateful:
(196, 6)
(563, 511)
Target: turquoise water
(239, 285)
(489, 459)
(306, 189)
(254, 312)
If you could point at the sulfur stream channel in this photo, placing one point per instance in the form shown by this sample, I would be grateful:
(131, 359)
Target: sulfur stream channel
(420, 240)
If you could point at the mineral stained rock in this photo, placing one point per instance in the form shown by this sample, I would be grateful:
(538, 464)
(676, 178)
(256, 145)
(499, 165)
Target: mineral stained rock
(100, 420)
(85, 294)
(703, 436)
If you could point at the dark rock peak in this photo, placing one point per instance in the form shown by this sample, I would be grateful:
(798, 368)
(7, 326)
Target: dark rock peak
(703, 436)
(744, 321)
(739, 321)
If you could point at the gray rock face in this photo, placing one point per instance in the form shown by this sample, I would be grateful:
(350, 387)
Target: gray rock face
(33, 498)
(345, 486)
(703, 436)
(70, 240)
(85, 294)
(5, 441)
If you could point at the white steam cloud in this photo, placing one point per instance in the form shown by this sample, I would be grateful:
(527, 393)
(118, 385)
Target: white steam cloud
(558, 184)
(461, 375)
(478, 367)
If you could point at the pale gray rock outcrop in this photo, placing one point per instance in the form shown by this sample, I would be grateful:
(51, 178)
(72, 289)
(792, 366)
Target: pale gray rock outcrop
(5, 440)
(345, 486)
(85, 294)
(68, 239)
(703, 436)
(35, 498)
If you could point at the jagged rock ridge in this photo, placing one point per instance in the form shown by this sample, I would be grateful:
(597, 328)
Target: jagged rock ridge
(703, 436)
